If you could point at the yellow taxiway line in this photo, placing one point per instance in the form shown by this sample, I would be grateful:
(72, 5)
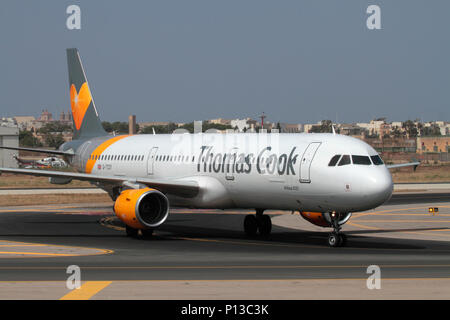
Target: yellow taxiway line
(87, 290)
(5, 244)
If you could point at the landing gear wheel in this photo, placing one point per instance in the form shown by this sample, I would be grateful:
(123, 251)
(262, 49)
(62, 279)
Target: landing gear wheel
(343, 239)
(334, 240)
(147, 233)
(264, 225)
(250, 225)
(131, 232)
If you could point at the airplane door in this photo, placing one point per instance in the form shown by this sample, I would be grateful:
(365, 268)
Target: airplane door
(305, 163)
(151, 160)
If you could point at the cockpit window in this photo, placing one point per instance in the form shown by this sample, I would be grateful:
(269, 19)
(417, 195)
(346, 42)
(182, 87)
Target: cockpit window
(364, 160)
(344, 160)
(334, 160)
(376, 160)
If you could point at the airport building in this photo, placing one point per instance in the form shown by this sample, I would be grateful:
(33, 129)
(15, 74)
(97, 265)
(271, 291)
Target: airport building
(433, 144)
(9, 137)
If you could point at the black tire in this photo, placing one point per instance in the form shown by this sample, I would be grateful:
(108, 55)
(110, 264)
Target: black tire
(334, 240)
(147, 233)
(131, 232)
(264, 225)
(250, 225)
(343, 240)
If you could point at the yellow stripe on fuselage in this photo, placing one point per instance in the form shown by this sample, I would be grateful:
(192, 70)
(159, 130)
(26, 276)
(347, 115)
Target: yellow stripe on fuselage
(99, 150)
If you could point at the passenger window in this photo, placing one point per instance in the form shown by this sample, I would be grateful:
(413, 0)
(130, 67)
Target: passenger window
(344, 160)
(376, 160)
(334, 160)
(364, 160)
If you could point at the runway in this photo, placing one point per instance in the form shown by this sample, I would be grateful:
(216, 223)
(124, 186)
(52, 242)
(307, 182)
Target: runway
(205, 254)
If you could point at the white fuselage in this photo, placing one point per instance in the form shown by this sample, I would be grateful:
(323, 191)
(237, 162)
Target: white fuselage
(252, 170)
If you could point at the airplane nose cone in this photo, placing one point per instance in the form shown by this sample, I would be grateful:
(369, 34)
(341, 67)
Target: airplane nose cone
(379, 187)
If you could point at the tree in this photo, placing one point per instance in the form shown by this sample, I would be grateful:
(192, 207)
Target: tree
(117, 127)
(278, 127)
(410, 128)
(54, 141)
(432, 130)
(26, 139)
(396, 133)
(324, 127)
(159, 129)
(55, 126)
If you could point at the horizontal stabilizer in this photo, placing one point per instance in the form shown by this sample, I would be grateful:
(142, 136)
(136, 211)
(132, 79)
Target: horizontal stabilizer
(57, 152)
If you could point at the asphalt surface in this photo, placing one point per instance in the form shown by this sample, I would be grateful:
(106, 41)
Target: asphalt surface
(210, 245)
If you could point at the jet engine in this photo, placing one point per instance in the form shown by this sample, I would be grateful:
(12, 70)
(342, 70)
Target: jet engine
(323, 219)
(142, 208)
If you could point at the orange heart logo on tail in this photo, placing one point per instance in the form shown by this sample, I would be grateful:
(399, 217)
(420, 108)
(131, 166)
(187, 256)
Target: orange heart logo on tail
(79, 103)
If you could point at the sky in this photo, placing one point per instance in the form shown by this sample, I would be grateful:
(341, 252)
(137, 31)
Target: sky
(184, 60)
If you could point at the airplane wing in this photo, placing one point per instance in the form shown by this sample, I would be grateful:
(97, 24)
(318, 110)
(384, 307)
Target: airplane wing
(58, 152)
(182, 188)
(392, 166)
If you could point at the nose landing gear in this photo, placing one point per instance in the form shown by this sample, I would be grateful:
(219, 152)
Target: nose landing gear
(336, 238)
(257, 223)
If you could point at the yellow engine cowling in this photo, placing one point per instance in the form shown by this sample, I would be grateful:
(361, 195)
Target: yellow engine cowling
(323, 219)
(142, 208)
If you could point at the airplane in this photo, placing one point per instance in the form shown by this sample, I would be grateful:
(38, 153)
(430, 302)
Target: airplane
(325, 177)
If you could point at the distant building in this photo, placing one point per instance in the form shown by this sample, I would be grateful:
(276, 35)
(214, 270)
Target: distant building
(25, 122)
(433, 144)
(374, 127)
(405, 145)
(219, 121)
(307, 127)
(8, 122)
(290, 127)
(444, 127)
(45, 116)
(240, 124)
(9, 137)
(65, 117)
(397, 124)
(351, 130)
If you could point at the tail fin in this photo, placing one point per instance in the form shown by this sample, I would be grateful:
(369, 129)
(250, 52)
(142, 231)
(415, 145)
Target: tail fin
(86, 122)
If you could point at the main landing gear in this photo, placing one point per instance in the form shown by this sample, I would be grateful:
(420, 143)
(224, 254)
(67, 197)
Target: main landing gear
(336, 238)
(134, 233)
(258, 223)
